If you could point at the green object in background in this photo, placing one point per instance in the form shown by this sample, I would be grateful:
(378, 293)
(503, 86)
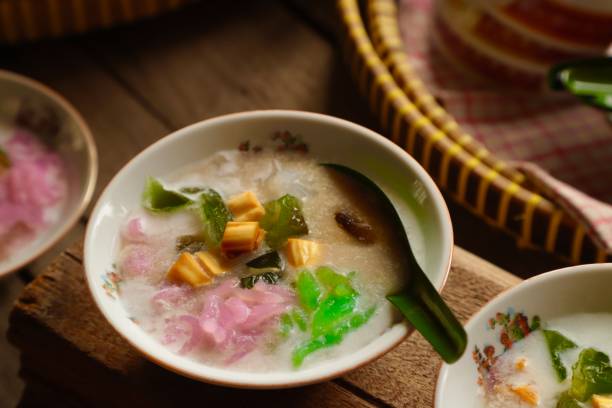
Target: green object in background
(271, 278)
(283, 219)
(592, 374)
(419, 301)
(332, 302)
(308, 291)
(332, 337)
(214, 215)
(268, 262)
(567, 401)
(558, 343)
(156, 198)
(588, 79)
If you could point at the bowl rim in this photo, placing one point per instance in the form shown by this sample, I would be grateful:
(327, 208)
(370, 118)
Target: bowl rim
(507, 294)
(280, 114)
(92, 169)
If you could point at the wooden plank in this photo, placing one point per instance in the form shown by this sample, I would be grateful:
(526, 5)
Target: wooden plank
(321, 14)
(121, 126)
(94, 357)
(258, 56)
(11, 385)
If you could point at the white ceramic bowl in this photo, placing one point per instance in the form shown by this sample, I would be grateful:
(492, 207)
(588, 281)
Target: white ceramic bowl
(330, 140)
(578, 289)
(38, 106)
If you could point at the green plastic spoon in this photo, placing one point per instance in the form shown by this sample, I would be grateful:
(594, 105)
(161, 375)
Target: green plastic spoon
(419, 301)
(588, 79)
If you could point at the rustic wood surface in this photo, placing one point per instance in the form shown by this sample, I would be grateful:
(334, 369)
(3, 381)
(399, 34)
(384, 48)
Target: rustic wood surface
(56, 310)
(137, 83)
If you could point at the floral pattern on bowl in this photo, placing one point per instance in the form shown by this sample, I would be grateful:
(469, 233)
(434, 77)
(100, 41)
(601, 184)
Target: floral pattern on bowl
(111, 282)
(511, 327)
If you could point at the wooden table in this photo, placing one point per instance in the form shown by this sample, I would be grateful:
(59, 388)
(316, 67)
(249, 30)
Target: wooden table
(135, 84)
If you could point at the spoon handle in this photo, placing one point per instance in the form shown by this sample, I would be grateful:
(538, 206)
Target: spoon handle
(425, 309)
(588, 79)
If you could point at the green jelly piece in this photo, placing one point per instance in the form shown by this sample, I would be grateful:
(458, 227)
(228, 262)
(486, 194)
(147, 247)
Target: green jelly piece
(156, 198)
(567, 401)
(332, 310)
(558, 343)
(330, 338)
(300, 319)
(592, 374)
(214, 215)
(331, 279)
(283, 219)
(308, 290)
(286, 324)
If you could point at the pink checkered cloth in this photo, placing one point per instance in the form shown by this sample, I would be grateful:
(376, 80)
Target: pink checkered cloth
(565, 147)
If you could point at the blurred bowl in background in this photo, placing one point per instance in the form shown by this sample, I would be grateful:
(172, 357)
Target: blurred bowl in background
(29, 105)
(517, 41)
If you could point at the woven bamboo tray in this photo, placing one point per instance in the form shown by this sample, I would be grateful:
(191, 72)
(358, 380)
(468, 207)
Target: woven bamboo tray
(459, 164)
(29, 20)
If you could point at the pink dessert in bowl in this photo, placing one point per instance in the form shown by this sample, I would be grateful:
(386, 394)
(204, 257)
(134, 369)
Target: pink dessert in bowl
(48, 168)
(33, 189)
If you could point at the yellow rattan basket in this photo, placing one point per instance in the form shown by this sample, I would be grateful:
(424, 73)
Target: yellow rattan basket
(461, 166)
(29, 20)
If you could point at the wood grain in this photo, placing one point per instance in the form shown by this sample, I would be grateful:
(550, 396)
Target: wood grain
(10, 385)
(57, 311)
(257, 56)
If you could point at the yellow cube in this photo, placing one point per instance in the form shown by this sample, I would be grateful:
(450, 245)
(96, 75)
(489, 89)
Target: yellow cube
(246, 207)
(602, 401)
(241, 236)
(187, 269)
(210, 263)
(301, 252)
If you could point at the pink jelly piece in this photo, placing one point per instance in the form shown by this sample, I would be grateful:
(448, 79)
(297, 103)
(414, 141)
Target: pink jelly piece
(244, 344)
(133, 231)
(170, 296)
(239, 310)
(196, 333)
(262, 314)
(235, 319)
(34, 182)
(136, 260)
